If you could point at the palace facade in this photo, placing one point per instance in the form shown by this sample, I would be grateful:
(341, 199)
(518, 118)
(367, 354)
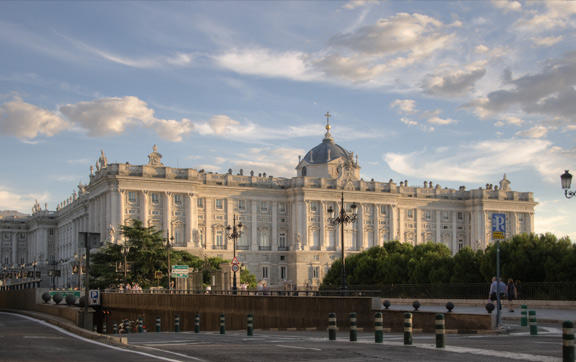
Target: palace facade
(287, 234)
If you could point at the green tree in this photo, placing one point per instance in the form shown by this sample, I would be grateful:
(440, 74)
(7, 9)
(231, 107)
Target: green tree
(248, 278)
(104, 271)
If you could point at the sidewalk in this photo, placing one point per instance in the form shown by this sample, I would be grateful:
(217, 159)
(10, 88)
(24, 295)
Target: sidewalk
(545, 315)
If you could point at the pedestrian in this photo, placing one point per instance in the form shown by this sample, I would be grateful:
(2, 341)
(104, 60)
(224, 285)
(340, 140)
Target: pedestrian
(497, 287)
(511, 294)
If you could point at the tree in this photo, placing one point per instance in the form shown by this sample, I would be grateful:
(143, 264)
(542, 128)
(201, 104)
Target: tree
(104, 271)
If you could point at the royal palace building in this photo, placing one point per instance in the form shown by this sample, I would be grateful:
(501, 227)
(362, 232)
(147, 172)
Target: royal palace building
(287, 234)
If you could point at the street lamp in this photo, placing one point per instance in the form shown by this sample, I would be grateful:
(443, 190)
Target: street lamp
(566, 179)
(344, 218)
(234, 233)
(168, 246)
(22, 266)
(34, 264)
(4, 274)
(125, 251)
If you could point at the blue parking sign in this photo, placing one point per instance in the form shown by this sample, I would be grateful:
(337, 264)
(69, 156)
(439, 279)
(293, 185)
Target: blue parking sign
(499, 226)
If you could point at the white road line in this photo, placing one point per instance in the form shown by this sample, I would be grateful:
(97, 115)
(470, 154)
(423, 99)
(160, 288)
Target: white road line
(98, 343)
(294, 347)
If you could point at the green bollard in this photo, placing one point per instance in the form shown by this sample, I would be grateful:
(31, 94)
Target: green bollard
(115, 328)
(407, 329)
(353, 327)
(222, 324)
(250, 325)
(94, 328)
(197, 323)
(378, 328)
(533, 324)
(158, 324)
(140, 325)
(568, 341)
(176, 323)
(524, 316)
(440, 331)
(104, 331)
(332, 326)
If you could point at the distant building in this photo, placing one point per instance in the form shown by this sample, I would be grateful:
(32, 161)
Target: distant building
(287, 236)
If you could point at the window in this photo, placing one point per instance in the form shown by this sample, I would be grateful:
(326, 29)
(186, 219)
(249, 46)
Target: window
(460, 215)
(283, 273)
(410, 214)
(219, 204)
(281, 207)
(178, 199)
(282, 257)
(282, 240)
(131, 196)
(313, 206)
(520, 218)
(155, 197)
(445, 215)
(200, 203)
(315, 272)
(22, 236)
(51, 231)
(264, 239)
(265, 272)
(219, 239)
(241, 205)
(383, 210)
(316, 257)
(428, 214)
(264, 206)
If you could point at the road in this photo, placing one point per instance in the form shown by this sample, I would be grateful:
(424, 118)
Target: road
(26, 339)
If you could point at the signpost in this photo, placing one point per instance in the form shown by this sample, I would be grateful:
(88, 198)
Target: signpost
(179, 271)
(498, 233)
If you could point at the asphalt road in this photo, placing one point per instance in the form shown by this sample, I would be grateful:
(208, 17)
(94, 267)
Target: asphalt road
(26, 339)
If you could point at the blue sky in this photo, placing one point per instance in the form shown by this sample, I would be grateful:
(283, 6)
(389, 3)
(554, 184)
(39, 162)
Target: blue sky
(454, 92)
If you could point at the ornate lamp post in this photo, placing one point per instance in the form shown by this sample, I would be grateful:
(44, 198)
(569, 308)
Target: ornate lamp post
(234, 233)
(4, 274)
(22, 267)
(341, 220)
(566, 179)
(125, 251)
(169, 244)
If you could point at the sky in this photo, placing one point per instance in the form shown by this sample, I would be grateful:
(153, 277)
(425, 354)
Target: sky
(454, 92)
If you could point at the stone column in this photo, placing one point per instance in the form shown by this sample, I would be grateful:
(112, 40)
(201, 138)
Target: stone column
(144, 207)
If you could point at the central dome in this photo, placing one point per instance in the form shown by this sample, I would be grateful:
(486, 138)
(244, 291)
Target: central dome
(325, 152)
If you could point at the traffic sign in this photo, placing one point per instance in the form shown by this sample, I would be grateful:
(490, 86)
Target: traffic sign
(179, 271)
(235, 267)
(499, 226)
(235, 261)
(94, 297)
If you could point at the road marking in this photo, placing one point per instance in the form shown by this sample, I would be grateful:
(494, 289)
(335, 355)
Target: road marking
(294, 347)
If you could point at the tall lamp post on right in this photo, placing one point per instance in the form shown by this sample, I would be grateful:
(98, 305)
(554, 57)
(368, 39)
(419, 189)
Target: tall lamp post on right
(342, 219)
(566, 179)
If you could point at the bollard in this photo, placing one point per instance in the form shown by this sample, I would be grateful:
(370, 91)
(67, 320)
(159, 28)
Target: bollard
(127, 326)
(140, 325)
(115, 328)
(94, 328)
(250, 325)
(407, 329)
(440, 331)
(533, 324)
(176, 323)
(524, 316)
(378, 328)
(158, 324)
(332, 326)
(104, 328)
(197, 323)
(222, 324)
(353, 327)
(568, 341)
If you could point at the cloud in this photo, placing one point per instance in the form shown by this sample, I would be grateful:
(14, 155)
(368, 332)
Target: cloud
(22, 202)
(441, 121)
(404, 106)
(477, 161)
(353, 4)
(454, 82)
(507, 5)
(264, 62)
(547, 41)
(549, 93)
(408, 109)
(24, 120)
(534, 132)
(558, 14)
